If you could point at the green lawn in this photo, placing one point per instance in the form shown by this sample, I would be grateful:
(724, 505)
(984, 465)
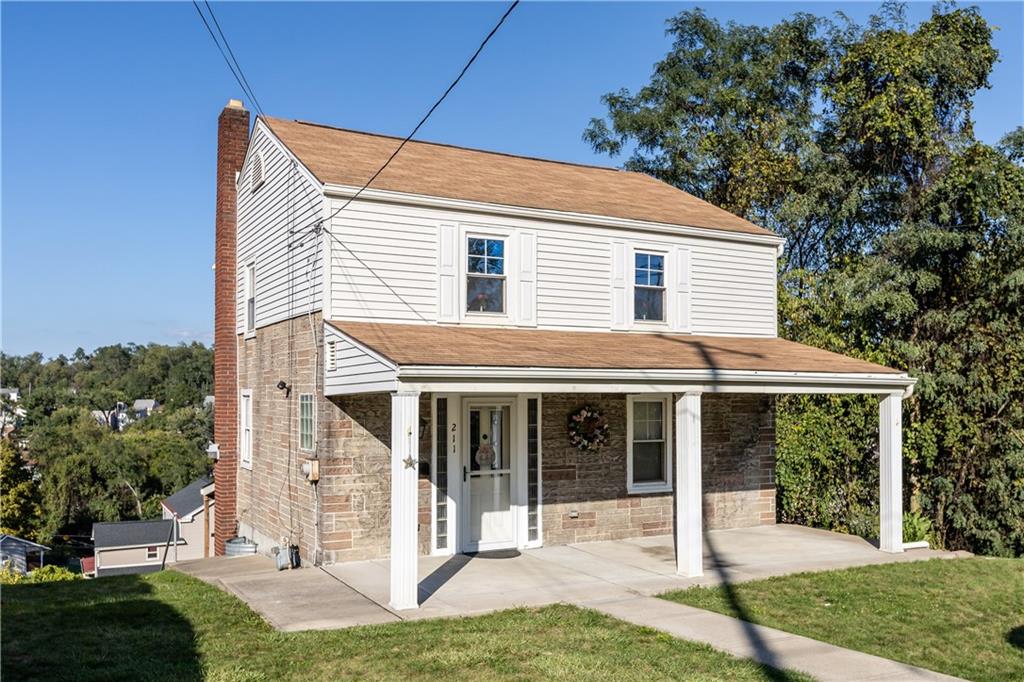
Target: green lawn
(170, 626)
(962, 617)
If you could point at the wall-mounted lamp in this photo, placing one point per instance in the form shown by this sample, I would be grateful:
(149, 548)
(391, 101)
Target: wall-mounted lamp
(282, 386)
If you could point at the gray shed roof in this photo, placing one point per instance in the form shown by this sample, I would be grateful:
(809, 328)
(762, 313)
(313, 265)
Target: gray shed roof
(131, 533)
(189, 498)
(27, 544)
(144, 404)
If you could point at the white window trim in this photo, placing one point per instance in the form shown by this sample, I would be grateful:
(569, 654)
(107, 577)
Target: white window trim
(657, 486)
(156, 554)
(467, 232)
(245, 447)
(665, 251)
(312, 401)
(250, 293)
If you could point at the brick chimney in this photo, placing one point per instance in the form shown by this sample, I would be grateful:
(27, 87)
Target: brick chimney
(232, 140)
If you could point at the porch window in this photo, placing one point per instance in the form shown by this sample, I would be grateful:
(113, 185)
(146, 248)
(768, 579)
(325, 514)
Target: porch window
(441, 471)
(306, 421)
(533, 469)
(649, 466)
(649, 287)
(485, 278)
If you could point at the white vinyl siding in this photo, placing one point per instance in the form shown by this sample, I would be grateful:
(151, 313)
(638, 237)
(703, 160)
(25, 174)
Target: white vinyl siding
(356, 369)
(395, 272)
(290, 280)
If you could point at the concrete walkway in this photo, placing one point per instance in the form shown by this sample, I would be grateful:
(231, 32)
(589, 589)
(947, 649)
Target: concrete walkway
(776, 648)
(617, 578)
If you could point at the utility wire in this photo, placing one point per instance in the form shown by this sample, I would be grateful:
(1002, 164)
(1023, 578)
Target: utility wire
(235, 68)
(423, 120)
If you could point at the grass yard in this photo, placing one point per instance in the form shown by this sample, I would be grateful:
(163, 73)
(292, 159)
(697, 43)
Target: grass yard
(173, 627)
(963, 617)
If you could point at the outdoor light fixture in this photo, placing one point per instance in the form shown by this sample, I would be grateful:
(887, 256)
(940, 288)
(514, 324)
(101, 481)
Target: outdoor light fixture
(282, 386)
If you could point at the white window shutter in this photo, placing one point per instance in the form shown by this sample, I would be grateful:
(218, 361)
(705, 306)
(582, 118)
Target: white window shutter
(526, 306)
(447, 274)
(620, 292)
(682, 290)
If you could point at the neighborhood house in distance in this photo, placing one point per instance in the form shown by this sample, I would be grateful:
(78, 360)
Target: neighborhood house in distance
(493, 352)
(184, 532)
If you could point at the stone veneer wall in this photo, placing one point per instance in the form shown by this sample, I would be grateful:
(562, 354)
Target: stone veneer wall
(353, 436)
(585, 496)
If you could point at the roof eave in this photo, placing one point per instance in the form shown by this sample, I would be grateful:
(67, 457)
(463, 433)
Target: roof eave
(433, 377)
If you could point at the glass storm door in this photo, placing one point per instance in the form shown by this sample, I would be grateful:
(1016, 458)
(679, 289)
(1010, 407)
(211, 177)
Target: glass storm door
(487, 477)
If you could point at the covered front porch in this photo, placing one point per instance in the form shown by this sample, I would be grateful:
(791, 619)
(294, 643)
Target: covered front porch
(487, 386)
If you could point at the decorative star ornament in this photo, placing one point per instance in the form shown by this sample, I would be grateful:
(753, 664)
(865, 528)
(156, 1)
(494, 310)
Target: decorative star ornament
(409, 462)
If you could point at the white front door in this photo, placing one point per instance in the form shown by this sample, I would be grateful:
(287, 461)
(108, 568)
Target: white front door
(488, 462)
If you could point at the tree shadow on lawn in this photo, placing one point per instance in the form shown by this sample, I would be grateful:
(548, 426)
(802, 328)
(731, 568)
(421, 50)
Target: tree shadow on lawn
(95, 631)
(1016, 636)
(764, 653)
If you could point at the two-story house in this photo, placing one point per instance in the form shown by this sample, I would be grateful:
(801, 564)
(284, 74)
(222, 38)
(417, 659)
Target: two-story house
(484, 351)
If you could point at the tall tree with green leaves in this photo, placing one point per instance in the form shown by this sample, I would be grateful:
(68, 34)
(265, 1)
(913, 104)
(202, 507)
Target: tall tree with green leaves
(904, 241)
(20, 513)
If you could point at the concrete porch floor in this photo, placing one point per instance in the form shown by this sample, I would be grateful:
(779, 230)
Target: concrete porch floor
(586, 574)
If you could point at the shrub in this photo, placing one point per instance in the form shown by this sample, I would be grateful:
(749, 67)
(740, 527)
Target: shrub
(916, 527)
(52, 574)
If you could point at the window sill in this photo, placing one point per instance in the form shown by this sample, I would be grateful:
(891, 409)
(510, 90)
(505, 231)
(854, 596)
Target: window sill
(243, 465)
(648, 488)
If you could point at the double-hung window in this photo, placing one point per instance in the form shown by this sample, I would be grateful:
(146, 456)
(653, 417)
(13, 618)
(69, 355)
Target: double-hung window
(485, 275)
(250, 297)
(245, 430)
(152, 553)
(649, 444)
(649, 287)
(306, 421)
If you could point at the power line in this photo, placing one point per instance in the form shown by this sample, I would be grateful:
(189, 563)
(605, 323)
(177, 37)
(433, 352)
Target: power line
(252, 93)
(239, 76)
(423, 120)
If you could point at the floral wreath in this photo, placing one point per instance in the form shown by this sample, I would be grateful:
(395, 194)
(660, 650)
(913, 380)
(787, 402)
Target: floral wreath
(588, 429)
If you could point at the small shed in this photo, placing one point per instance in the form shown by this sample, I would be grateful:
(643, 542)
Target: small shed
(14, 551)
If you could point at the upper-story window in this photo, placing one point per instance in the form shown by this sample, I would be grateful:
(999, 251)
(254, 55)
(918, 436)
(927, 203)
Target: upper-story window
(649, 287)
(250, 297)
(485, 275)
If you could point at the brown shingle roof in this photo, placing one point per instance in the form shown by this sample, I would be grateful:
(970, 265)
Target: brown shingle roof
(347, 157)
(420, 344)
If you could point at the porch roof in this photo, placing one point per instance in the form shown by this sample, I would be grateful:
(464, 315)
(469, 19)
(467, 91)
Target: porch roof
(462, 346)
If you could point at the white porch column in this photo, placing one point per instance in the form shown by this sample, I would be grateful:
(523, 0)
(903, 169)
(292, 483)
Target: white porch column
(405, 418)
(890, 457)
(689, 542)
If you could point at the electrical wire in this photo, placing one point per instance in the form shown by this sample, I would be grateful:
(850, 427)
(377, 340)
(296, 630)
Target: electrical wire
(239, 77)
(426, 116)
(252, 93)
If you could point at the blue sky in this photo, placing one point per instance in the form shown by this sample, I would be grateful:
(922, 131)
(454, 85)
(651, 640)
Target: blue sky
(109, 122)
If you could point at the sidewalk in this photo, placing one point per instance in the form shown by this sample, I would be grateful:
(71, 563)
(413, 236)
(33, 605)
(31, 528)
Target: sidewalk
(766, 645)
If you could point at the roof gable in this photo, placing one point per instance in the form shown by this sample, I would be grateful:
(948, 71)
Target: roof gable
(350, 158)
(189, 498)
